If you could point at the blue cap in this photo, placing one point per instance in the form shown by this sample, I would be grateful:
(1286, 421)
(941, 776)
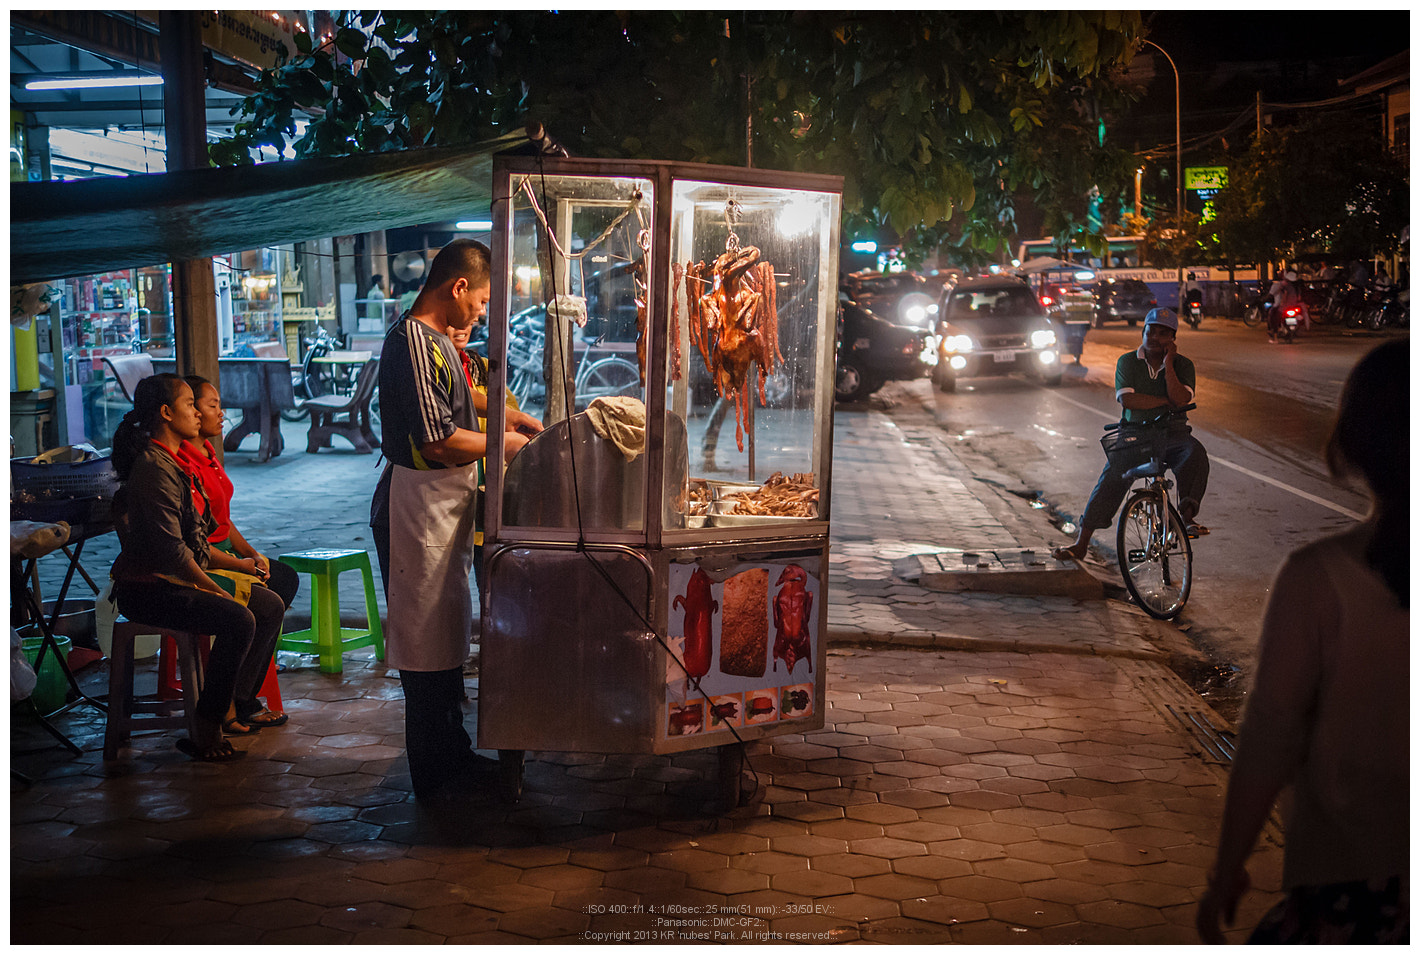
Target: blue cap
(1161, 316)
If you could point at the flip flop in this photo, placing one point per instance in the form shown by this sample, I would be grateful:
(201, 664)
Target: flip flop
(1063, 553)
(217, 753)
(1196, 530)
(262, 719)
(236, 727)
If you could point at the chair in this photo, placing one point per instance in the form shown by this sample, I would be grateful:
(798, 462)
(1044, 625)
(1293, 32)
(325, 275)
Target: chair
(326, 409)
(269, 350)
(125, 713)
(326, 638)
(128, 370)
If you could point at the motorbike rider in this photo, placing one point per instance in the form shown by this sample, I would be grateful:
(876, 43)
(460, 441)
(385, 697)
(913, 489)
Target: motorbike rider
(1149, 382)
(1284, 295)
(1193, 298)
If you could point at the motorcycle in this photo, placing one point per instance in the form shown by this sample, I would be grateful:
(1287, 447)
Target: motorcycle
(1384, 308)
(307, 382)
(1193, 307)
(1292, 317)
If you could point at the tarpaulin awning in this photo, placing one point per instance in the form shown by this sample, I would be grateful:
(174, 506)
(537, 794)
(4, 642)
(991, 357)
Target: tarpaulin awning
(63, 229)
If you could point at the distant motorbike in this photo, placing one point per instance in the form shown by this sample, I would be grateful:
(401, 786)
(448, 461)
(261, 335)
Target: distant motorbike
(309, 382)
(1292, 317)
(1193, 307)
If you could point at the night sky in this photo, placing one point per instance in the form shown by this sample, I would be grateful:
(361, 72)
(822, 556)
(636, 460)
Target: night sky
(1264, 35)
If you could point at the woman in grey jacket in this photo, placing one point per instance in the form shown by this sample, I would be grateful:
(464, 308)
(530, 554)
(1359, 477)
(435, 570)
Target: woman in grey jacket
(163, 521)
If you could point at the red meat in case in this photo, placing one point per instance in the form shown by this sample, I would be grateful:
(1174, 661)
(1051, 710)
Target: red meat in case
(792, 606)
(699, 606)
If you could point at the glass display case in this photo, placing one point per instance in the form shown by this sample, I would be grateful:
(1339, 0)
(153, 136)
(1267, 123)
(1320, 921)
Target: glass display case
(665, 538)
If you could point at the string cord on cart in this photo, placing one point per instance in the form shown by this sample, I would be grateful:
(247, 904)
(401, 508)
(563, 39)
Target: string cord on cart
(643, 240)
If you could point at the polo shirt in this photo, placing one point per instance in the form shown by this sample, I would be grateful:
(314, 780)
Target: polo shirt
(1133, 374)
(424, 394)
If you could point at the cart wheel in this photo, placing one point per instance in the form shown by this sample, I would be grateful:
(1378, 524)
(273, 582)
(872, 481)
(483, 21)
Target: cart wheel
(731, 765)
(510, 773)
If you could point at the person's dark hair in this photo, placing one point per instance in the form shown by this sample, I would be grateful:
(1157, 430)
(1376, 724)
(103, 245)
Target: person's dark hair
(195, 382)
(461, 258)
(377, 281)
(1372, 438)
(136, 429)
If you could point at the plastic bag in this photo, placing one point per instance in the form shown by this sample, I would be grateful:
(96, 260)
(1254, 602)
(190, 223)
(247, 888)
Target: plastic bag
(22, 675)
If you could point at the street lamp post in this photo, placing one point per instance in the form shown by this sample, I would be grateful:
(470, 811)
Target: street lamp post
(1178, 155)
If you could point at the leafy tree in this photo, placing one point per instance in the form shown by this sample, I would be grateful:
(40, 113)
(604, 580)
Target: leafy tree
(1329, 184)
(939, 121)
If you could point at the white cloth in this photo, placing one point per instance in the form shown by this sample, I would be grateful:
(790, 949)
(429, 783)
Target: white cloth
(1330, 714)
(620, 419)
(431, 556)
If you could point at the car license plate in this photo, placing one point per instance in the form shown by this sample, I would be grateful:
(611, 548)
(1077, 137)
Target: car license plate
(1004, 356)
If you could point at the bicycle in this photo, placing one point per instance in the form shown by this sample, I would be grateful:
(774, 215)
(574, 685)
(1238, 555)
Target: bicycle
(1152, 543)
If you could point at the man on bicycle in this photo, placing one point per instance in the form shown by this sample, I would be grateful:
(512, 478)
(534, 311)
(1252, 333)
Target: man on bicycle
(1150, 382)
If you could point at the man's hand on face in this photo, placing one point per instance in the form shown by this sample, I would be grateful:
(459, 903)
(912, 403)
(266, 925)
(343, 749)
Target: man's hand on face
(1170, 350)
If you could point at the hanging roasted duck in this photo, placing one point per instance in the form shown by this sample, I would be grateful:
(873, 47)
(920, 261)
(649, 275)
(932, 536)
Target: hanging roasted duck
(732, 309)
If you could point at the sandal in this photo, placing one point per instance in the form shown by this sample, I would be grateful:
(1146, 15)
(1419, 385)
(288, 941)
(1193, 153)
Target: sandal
(237, 727)
(219, 752)
(1064, 553)
(1196, 530)
(262, 719)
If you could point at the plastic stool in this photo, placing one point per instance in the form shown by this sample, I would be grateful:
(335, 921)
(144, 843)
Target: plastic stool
(125, 713)
(326, 637)
(170, 685)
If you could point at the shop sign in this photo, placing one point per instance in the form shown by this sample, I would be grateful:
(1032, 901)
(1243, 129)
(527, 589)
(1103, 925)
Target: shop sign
(749, 634)
(254, 37)
(1199, 178)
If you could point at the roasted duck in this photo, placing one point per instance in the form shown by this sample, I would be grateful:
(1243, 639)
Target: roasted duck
(732, 308)
(792, 607)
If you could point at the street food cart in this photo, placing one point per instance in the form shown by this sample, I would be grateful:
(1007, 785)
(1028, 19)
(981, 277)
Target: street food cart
(645, 596)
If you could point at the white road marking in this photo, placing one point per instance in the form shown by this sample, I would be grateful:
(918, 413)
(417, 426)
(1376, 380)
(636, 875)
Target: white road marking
(1238, 467)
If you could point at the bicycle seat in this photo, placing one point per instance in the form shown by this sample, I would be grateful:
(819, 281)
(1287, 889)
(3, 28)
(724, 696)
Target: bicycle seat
(1150, 470)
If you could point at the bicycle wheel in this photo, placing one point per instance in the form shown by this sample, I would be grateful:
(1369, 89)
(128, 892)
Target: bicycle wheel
(1252, 316)
(1155, 557)
(608, 376)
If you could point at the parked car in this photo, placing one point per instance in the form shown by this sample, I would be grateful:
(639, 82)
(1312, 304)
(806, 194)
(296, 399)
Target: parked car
(903, 298)
(873, 351)
(993, 325)
(1129, 300)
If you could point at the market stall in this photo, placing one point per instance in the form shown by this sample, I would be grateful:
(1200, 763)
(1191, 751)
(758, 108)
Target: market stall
(639, 601)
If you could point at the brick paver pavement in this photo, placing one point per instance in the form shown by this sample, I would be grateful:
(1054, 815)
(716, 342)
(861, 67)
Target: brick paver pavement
(993, 769)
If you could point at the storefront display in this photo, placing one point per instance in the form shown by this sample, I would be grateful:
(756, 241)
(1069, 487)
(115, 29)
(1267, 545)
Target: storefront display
(677, 578)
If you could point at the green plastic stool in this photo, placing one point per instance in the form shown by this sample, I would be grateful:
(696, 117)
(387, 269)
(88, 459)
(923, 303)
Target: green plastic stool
(327, 638)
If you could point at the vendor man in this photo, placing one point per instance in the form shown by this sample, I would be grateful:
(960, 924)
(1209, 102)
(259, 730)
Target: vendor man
(424, 507)
(1148, 383)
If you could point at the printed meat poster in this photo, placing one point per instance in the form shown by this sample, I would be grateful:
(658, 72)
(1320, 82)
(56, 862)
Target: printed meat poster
(747, 633)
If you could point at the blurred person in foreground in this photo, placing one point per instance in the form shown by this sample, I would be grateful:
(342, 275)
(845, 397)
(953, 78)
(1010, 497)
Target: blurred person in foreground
(1329, 713)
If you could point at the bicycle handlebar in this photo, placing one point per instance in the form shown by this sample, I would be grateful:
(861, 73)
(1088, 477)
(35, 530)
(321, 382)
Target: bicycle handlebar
(1154, 422)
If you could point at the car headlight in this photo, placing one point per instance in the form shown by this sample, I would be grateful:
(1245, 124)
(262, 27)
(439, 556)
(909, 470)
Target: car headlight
(915, 314)
(958, 343)
(1042, 338)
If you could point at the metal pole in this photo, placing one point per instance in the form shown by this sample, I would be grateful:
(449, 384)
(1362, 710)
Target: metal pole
(1178, 155)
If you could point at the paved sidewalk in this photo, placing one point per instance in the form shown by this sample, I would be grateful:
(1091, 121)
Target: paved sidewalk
(992, 769)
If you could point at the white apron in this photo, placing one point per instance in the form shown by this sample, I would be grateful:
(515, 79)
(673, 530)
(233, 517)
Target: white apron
(431, 554)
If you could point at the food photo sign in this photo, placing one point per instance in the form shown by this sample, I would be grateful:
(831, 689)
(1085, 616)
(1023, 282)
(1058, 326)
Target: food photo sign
(748, 633)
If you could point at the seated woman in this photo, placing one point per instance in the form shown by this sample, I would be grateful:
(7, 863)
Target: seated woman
(200, 459)
(163, 521)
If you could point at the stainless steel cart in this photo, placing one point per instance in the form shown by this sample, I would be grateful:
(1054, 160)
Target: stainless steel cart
(673, 598)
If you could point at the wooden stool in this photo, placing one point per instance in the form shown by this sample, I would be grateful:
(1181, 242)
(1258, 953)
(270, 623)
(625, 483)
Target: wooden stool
(326, 637)
(125, 713)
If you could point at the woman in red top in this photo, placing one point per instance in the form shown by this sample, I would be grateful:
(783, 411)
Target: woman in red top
(200, 459)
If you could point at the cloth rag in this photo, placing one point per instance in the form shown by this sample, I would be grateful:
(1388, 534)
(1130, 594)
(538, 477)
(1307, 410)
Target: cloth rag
(620, 419)
(34, 539)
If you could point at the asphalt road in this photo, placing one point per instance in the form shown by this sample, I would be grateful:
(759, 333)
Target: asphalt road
(1264, 413)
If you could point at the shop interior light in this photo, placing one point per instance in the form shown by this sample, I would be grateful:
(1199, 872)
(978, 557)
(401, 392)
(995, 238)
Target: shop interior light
(97, 79)
(474, 225)
(867, 246)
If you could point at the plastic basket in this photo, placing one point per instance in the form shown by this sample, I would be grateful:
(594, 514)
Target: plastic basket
(77, 492)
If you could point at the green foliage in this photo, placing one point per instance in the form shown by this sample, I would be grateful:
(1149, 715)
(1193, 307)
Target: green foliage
(1326, 185)
(936, 120)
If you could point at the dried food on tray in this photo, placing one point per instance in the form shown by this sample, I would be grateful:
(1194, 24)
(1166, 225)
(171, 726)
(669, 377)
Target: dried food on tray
(793, 496)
